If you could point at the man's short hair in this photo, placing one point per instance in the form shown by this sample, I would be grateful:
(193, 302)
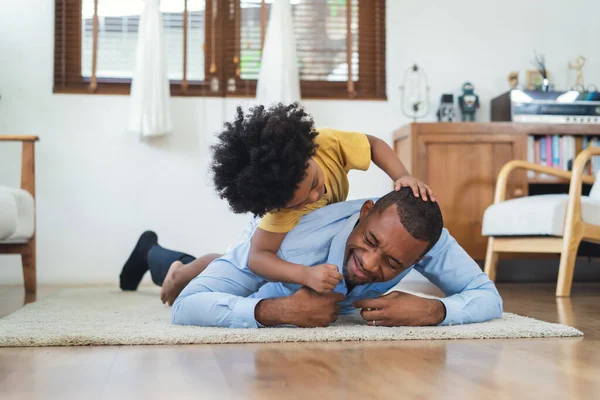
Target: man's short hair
(421, 219)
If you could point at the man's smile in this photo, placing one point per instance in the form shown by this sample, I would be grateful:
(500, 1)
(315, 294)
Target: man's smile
(356, 269)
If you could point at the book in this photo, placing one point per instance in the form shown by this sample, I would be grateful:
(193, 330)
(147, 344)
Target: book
(555, 151)
(571, 154)
(561, 153)
(531, 154)
(585, 143)
(543, 148)
(549, 150)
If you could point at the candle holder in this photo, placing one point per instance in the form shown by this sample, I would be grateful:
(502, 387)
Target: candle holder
(416, 88)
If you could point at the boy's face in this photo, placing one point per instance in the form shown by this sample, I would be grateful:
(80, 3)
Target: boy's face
(311, 189)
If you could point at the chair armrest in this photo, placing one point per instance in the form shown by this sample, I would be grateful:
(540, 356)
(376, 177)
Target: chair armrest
(27, 159)
(574, 205)
(579, 165)
(509, 167)
(18, 138)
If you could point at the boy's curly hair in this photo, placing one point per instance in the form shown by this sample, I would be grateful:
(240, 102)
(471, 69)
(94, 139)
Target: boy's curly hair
(260, 158)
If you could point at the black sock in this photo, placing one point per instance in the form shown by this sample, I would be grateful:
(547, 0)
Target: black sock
(137, 264)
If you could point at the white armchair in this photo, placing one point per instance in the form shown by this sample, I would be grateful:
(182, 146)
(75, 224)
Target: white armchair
(17, 213)
(555, 223)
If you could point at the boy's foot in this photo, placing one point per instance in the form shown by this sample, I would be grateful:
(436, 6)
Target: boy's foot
(137, 264)
(173, 284)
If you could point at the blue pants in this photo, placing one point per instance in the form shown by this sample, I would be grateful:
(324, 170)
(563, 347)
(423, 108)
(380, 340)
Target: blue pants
(160, 259)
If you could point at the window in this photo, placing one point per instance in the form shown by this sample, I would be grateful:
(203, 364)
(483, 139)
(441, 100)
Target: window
(117, 37)
(213, 47)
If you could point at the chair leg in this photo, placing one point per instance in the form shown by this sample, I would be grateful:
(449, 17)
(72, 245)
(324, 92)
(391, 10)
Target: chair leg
(491, 260)
(29, 267)
(566, 268)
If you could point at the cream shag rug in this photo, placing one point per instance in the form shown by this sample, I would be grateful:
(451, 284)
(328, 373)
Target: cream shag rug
(107, 316)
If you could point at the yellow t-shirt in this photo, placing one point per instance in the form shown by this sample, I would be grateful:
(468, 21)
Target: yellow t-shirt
(338, 153)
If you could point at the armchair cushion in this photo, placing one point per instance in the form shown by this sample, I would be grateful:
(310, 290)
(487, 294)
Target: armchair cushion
(17, 215)
(535, 215)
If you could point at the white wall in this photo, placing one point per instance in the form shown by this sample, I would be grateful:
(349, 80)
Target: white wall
(98, 187)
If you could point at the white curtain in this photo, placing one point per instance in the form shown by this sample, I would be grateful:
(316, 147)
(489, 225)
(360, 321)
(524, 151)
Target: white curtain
(278, 80)
(150, 109)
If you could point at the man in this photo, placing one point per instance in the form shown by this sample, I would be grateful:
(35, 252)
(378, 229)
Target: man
(373, 245)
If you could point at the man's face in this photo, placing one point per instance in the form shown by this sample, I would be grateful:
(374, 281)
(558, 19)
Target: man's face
(379, 248)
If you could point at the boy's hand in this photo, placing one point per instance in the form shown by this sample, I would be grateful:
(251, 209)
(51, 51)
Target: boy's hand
(323, 278)
(419, 188)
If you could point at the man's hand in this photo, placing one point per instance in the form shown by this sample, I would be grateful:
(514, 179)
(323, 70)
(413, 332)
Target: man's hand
(419, 188)
(322, 278)
(401, 309)
(305, 308)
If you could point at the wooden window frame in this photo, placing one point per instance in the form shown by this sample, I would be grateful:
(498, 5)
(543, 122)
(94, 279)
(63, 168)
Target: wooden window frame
(371, 83)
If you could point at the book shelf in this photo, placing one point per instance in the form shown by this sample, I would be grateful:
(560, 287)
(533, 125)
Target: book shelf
(559, 150)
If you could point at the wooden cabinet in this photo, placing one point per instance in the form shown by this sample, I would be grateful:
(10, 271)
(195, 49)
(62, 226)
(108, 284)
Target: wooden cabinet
(460, 161)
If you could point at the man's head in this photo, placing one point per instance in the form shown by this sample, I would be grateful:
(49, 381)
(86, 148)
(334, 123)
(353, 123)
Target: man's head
(391, 235)
(263, 160)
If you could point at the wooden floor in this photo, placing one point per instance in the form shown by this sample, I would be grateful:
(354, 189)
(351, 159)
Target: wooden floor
(462, 369)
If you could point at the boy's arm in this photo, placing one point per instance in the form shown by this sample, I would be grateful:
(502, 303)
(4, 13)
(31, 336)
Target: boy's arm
(263, 260)
(385, 158)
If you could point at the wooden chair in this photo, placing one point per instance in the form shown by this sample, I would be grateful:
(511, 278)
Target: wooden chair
(508, 223)
(25, 246)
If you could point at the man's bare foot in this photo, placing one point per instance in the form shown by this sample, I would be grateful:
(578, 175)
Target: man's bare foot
(173, 284)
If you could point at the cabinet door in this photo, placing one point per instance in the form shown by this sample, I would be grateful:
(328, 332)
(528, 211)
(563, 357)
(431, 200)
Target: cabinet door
(462, 170)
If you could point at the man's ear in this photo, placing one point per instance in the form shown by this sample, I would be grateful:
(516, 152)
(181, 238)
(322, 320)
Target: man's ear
(366, 209)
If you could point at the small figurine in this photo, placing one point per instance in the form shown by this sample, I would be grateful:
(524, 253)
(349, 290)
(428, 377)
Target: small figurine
(513, 79)
(578, 66)
(468, 102)
(446, 112)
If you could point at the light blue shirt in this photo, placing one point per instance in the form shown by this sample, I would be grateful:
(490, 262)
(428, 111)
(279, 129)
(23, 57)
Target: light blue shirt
(227, 292)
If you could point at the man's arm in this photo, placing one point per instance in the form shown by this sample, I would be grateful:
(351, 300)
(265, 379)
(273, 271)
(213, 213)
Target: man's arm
(218, 297)
(401, 309)
(471, 296)
(305, 308)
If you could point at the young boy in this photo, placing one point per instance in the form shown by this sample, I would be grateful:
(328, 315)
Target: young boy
(275, 164)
